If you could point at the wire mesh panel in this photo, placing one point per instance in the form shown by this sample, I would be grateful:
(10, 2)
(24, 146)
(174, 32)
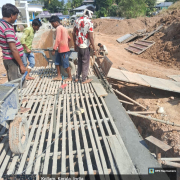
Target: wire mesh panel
(67, 132)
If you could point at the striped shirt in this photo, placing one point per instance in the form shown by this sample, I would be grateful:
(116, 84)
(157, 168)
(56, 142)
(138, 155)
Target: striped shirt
(7, 34)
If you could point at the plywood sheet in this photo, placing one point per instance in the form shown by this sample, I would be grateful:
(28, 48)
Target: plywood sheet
(117, 74)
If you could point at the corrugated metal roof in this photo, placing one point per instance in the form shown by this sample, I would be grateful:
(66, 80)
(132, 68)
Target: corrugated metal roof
(164, 4)
(82, 7)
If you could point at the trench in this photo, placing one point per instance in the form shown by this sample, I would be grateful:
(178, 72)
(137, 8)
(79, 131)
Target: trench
(166, 133)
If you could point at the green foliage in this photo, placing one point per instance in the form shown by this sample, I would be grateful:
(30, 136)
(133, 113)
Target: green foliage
(52, 5)
(103, 4)
(76, 3)
(113, 10)
(132, 8)
(150, 3)
(102, 12)
(171, 1)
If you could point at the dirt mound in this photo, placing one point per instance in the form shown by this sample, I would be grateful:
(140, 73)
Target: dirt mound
(167, 47)
(121, 27)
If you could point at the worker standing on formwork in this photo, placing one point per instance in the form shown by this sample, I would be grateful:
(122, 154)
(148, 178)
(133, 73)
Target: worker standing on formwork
(83, 36)
(62, 42)
(26, 41)
(11, 47)
(102, 49)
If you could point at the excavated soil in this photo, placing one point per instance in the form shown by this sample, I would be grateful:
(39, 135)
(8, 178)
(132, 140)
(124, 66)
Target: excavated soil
(166, 50)
(121, 27)
(153, 99)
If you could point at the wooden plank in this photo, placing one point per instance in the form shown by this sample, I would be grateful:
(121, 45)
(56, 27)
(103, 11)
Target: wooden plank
(70, 141)
(117, 74)
(151, 33)
(4, 165)
(35, 144)
(80, 162)
(114, 170)
(96, 155)
(99, 89)
(41, 143)
(102, 156)
(29, 105)
(105, 65)
(173, 86)
(175, 77)
(154, 82)
(46, 162)
(134, 78)
(24, 156)
(55, 155)
(122, 158)
(130, 99)
(158, 143)
(63, 157)
(87, 155)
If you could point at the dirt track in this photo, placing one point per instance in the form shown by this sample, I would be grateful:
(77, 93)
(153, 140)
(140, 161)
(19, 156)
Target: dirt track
(122, 58)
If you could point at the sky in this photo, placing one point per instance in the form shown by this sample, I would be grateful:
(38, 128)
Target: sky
(64, 1)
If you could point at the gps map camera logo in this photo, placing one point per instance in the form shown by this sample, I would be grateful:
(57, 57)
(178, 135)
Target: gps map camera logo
(151, 171)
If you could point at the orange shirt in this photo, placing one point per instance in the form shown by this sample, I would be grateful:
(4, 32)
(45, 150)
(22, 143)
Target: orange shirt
(62, 39)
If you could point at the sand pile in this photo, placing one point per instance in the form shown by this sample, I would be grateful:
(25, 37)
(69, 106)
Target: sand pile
(167, 47)
(121, 27)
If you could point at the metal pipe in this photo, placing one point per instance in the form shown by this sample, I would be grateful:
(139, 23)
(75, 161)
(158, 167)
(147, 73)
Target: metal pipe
(170, 159)
(143, 112)
(169, 163)
(154, 119)
(126, 102)
(129, 99)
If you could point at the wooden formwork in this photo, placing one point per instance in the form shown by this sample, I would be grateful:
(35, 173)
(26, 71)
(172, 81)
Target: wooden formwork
(80, 143)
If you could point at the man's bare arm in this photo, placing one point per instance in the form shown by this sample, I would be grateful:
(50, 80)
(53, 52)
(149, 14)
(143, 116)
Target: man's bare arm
(27, 49)
(74, 37)
(16, 56)
(91, 38)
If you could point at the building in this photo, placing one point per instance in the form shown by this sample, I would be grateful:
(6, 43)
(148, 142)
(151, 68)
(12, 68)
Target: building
(80, 10)
(86, 2)
(159, 1)
(164, 5)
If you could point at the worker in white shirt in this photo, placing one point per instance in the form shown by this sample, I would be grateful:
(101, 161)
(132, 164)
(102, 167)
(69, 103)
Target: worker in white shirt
(102, 50)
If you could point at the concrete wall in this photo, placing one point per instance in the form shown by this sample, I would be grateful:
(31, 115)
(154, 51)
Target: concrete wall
(42, 40)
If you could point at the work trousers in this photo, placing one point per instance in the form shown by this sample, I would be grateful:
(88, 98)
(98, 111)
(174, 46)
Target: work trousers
(83, 62)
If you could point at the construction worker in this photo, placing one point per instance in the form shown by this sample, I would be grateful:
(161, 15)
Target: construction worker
(83, 36)
(26, 41)
(61, 42)
(11, 47)
(102, 49)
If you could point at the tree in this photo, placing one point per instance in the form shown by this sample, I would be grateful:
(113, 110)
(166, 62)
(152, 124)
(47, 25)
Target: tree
(171, 1)
(66, 7)
(102, 12)
(76, 3)
(52, 5)
(132, 8)
(150, 3)
(113, 10)
(103, 4)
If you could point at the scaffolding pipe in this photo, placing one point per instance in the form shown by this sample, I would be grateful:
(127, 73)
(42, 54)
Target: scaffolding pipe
(154, 119)
(170, 159)
(169, 163)
(129, 99)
